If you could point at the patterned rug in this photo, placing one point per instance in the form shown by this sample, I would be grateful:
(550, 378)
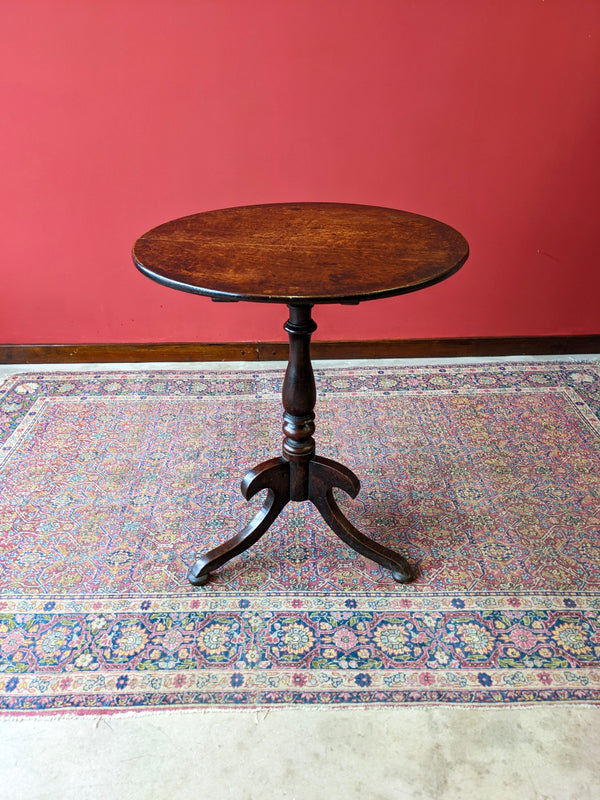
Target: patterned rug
(486, 476)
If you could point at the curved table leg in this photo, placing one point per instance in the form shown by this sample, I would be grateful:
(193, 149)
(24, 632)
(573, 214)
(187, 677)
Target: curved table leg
(273, 475)
(324, 475)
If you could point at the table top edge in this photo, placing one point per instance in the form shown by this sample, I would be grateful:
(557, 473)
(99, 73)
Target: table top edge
(342, 299)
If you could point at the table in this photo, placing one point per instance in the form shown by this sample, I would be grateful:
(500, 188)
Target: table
(300, 255)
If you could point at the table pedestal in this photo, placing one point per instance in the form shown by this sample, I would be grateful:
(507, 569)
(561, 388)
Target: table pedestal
(299, 474)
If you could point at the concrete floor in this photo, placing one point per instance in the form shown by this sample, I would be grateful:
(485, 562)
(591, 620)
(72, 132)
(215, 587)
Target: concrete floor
(378, 754)
(428, 753)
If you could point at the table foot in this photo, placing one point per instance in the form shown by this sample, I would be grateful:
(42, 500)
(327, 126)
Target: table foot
(403, 577)
(326, 474)
(273, 475)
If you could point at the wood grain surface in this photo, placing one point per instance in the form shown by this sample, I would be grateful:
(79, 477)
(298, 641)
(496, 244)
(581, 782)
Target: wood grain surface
(301, 253)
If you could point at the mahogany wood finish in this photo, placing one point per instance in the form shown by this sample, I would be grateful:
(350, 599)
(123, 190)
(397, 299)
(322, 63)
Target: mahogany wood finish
(300, 254)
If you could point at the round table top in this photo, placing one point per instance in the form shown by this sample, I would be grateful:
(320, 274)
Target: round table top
(300, 253)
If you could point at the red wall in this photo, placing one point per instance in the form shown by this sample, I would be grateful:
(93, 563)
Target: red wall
(120, 115)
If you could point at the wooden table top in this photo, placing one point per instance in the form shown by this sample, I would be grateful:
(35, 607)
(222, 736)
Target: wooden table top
(301, 253)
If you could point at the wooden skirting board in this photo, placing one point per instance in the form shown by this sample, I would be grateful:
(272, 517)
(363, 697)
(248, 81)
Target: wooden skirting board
(278, 351)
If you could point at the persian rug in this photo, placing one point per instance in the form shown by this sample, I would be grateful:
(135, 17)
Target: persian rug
(486, 476)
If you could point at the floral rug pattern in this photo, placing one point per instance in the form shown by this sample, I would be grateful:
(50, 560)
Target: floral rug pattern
(486, 476)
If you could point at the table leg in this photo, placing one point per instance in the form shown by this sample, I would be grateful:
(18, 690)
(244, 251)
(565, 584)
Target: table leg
(326, 474)
(272, 475)
(299, 474)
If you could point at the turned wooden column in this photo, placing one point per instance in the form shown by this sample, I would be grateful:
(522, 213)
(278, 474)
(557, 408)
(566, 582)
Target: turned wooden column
(299, 397)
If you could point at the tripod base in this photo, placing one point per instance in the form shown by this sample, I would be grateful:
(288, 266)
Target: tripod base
(299, 474)
(279, 477)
